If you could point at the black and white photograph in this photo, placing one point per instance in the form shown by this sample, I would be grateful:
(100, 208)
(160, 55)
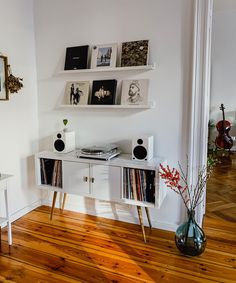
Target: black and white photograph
(77, 93)
(104, 56)
(3, 77)
(134, 92)
(134, 53)
(76, 57)
(103, 92)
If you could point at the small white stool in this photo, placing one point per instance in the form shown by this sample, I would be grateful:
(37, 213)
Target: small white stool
(5, 220)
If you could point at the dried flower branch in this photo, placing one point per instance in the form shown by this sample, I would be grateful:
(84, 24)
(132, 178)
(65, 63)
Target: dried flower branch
(179, 183)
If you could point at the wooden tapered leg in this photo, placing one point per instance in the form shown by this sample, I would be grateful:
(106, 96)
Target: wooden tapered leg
(141, 222)
(148, 217)
(60, 200)
(64, 201)
(53, 204)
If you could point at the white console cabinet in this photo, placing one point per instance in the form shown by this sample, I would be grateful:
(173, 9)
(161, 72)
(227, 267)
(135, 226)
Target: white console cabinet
(120, 179)
(91, 180)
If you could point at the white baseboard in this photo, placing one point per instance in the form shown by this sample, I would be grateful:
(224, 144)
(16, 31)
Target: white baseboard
(121, 212)
(18, 214)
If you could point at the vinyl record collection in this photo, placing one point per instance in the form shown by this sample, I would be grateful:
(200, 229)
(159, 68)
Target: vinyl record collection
(51, 172)
(104, 56)
(139, 184)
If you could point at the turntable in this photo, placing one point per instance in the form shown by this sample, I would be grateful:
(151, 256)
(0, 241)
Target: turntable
(103, 152)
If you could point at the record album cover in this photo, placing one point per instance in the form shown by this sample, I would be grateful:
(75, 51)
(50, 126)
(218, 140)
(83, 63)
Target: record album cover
(103, 92)
(134, 53)
(134, 92)
(104, 55)
(76, 57)
(77, 93)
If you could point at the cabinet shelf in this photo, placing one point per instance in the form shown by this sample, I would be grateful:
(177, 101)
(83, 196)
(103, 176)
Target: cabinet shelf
(115, 69)
(150, 105)
(140, 203)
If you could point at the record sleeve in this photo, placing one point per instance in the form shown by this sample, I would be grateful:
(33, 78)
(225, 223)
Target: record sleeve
(134, 53)
(103, 92)
(134, 92)
(76, 57)
(77, 93)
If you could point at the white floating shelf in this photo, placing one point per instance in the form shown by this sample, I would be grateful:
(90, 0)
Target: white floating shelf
(148, 106)
(106, 69)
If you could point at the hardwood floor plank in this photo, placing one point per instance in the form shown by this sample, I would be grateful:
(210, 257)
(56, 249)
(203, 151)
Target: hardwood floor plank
(221, 191)
(166, 238)
(102, 230)
(151, 263)
(146, 252)
(84, 248)
(85, 274)
(54, 241)
(12, 270)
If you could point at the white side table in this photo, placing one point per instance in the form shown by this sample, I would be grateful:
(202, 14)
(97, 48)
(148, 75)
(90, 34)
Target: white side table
(5, 220)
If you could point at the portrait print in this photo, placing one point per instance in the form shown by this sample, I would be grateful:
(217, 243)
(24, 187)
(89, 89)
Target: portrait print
(134, 92)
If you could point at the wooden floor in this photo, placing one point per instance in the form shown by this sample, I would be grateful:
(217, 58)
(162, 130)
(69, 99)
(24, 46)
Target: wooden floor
(80, 248)
(221, 190)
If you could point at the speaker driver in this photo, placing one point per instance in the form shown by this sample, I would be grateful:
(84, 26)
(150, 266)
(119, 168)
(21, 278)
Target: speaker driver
(139, 141)
(59, 145)
(140, 152)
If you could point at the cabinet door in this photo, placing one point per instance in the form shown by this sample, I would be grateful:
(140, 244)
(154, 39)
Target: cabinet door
(76, 178)
(105, 182)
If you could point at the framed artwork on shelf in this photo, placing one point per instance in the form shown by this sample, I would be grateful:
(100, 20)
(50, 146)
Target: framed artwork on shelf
(77, 93)
(134, 53)
(76, 57)
(4, 94)
(103, 92)
(134, 92)
(104, 56)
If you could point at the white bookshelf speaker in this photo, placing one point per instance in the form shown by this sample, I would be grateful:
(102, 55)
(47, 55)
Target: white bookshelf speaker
(64, 142)
(142, 148)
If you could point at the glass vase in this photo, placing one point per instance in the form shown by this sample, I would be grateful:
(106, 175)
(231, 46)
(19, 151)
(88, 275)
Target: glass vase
(190, 239)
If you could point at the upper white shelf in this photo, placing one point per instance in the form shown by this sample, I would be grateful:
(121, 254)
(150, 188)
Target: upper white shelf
(116, 69)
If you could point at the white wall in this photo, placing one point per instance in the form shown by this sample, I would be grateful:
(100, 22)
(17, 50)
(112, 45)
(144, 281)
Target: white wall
(223, 83)
(18, 116)
(168, 26)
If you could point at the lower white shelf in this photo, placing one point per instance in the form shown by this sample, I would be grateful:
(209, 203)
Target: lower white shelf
(138, 203)
(150, 105)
